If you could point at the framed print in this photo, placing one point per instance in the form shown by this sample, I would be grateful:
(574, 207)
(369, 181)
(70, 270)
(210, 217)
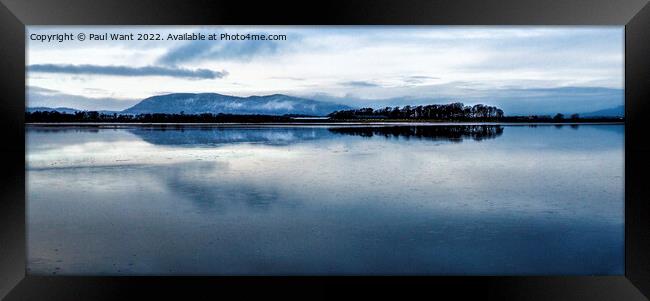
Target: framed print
(462, 147)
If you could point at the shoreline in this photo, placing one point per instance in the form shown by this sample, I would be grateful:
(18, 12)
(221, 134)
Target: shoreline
(368, 123)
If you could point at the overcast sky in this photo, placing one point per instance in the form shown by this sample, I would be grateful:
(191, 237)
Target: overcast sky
(522, 69)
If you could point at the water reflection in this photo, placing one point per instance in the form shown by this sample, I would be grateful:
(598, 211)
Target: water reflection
(325, 200)
(226, 135)
(62, 129)
(436, 133)
(211, 188)
(290, 135)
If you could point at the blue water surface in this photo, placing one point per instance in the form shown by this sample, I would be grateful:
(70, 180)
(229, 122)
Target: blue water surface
(322, 200)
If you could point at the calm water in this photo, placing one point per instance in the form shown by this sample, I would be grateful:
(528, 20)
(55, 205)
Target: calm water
(445, 200)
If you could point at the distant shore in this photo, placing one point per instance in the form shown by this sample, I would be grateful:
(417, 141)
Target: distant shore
(317, 123)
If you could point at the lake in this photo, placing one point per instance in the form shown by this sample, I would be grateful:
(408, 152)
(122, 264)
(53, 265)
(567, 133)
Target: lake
(322, 200)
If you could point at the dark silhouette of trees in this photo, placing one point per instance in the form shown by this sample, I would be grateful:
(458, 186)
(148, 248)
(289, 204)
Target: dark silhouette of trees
(92, 116)
(452, 111)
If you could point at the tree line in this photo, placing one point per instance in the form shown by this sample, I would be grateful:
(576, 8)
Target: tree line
(453, 111)
(93, 116)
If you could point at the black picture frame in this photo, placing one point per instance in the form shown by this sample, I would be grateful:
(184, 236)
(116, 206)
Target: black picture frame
(634, 14)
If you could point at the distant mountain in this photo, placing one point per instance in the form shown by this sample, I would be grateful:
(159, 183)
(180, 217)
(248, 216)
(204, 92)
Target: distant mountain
(47, 109)
(191, 103)
(616, 111)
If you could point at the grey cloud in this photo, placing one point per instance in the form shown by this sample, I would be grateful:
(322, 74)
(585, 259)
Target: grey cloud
(423, 77)
(41, 90)
(417, 79)
(228, 50)
(128, 71)
(360, 84)
(288, 78)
